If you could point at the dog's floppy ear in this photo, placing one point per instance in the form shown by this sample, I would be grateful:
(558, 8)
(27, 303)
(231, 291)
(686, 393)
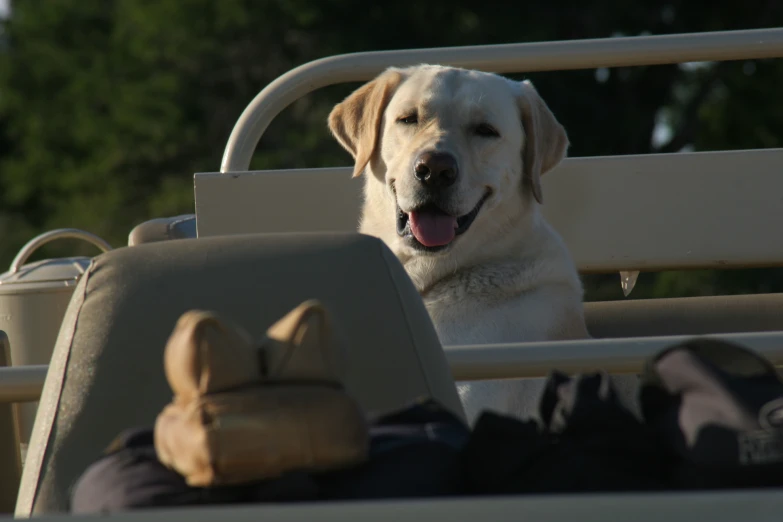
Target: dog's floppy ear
(356, 121)
(546, 141)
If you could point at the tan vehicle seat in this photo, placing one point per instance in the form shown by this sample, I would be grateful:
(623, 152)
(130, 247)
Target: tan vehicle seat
(106, 372)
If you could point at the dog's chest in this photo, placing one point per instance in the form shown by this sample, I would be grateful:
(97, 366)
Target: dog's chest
(493, 304)
(470, 320)
(456, 325)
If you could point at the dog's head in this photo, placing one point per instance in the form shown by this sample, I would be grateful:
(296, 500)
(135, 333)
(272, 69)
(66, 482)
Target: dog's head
(447, 151)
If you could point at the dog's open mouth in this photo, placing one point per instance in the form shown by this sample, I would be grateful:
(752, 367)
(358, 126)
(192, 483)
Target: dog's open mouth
(430, 227)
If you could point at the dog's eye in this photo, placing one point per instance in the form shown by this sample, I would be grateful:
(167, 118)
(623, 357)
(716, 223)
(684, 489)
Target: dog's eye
(411, 119)
(486, 130)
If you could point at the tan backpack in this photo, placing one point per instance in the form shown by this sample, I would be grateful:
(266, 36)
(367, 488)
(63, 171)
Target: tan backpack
(245, 411)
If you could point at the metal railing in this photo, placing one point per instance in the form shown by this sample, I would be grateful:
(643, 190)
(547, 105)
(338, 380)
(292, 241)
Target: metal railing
(506, 58)
(22, 383)
(499, 361)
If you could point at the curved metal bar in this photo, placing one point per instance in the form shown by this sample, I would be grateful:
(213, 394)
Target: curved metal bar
(506, 58)
(46, 237)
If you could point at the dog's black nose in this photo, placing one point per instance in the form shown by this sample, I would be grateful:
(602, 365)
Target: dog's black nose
(436, 169)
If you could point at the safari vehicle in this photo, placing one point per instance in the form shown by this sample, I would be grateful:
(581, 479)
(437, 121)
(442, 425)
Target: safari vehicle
(84, 336)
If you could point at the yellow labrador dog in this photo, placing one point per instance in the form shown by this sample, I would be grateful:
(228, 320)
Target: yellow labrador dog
(453, 161)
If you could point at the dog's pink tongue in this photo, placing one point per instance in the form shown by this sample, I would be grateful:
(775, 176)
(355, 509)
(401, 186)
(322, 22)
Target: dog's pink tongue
(433, 229)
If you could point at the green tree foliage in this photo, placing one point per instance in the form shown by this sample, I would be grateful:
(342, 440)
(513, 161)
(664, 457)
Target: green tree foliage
(108, 107)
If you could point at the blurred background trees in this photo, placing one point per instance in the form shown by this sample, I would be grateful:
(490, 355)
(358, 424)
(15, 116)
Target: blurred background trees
(108, 107)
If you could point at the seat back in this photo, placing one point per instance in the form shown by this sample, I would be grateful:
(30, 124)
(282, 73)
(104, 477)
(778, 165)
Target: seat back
(106, 372)
(646, 212)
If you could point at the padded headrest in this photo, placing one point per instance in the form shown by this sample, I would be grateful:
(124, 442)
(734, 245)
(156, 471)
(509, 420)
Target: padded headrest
(106, 372)
(163, 229)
